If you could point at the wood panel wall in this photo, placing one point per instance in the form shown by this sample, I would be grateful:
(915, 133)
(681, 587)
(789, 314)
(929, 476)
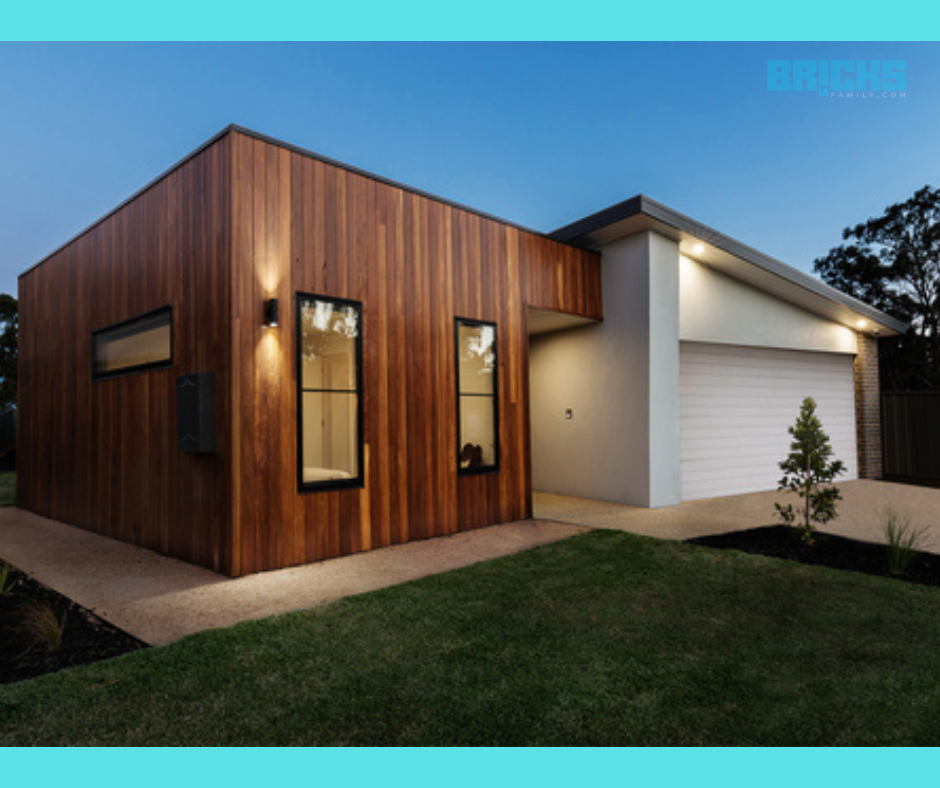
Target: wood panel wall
(302, 224)
(102, 454)
(242, 221)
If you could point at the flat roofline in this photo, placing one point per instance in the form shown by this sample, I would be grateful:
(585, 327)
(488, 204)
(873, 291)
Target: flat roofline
(234, 127)
(584, 233)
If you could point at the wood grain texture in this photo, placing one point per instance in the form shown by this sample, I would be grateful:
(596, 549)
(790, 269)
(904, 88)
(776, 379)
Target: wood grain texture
(102, 454)
(415, 263)
(242, 221)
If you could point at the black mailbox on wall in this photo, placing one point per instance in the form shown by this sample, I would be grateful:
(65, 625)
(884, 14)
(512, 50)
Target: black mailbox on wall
(195, 413)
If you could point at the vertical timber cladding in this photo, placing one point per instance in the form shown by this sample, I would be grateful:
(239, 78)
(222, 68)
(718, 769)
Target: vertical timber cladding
(102, 454)
(302, 224)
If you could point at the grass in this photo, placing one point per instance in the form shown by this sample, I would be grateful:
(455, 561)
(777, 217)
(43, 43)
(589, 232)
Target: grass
(606, 638)
(7, 488)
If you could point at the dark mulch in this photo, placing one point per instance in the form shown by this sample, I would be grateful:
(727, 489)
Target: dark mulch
(85, 637)
(836, 552)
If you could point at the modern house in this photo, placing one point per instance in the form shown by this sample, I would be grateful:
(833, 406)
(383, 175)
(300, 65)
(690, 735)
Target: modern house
(265, 358)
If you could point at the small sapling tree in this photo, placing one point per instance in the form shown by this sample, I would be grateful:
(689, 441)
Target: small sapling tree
(807, 471)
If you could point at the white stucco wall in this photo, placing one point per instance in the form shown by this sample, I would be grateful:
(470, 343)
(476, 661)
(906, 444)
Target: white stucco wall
(716, 308)
(620, 379)
(663, 389)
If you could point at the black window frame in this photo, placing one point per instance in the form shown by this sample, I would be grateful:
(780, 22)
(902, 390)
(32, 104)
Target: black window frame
(329, 484)
(136, 368)
(494, 466)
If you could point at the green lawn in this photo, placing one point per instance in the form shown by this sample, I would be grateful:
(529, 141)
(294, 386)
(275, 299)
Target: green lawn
(605, 638)
(7, 488)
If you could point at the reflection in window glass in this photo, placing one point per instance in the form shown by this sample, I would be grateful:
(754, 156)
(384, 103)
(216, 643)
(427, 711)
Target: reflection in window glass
(134, 344)
(330, 395)
(476, 395)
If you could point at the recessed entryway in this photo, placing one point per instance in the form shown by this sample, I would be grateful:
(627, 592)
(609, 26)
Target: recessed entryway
(562, 409)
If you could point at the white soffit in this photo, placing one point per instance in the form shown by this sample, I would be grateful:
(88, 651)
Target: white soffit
(730, 257)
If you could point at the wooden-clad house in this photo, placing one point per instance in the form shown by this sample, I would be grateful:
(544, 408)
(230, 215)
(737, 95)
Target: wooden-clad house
(266, 358)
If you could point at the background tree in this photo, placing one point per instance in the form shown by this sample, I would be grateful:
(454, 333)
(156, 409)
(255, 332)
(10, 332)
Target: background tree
(806, 470)
(893, 263)
(8, 339)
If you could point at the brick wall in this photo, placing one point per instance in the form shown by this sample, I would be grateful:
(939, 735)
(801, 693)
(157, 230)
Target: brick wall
(868, 408)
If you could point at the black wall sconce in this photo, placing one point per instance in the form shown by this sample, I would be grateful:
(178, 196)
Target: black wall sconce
(270, 313)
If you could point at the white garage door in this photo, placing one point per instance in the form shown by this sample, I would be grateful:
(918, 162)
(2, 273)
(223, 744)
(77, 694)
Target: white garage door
(736, 404)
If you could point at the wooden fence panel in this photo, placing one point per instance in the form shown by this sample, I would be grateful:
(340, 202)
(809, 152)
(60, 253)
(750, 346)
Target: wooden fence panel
(911, 424)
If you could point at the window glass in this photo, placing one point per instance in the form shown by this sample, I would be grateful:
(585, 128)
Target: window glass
(329, 334)
(330, 391)
(476, 395)
(477, 345)
(135, 344)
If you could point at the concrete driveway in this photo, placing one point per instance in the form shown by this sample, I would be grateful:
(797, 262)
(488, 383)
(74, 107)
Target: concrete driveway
(861, 513)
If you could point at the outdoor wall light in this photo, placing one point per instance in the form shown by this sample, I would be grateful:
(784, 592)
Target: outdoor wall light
(698, 248)
(270, 313)
(862, 323)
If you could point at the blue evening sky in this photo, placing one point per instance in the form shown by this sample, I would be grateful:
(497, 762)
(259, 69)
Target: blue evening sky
(540, 134)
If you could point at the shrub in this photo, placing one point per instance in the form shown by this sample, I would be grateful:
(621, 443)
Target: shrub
(806, 470)
(41, 628)
(903, 540)
(7, 581)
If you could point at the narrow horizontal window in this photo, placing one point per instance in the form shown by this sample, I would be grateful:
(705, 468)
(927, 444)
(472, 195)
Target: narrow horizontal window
(477, 397)
(329, 345)
(134, 345)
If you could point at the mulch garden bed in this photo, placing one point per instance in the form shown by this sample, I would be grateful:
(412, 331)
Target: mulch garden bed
(85, 637)
(836, 552)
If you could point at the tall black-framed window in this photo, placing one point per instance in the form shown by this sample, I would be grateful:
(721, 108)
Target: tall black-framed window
(141, 343)
(329, 392)
(477, 396)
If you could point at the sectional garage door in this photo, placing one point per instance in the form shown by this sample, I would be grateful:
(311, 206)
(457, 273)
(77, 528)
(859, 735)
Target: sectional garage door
(736, 404)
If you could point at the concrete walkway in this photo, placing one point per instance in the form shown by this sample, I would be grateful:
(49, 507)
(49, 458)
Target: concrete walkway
(861, 513)
(160, 599)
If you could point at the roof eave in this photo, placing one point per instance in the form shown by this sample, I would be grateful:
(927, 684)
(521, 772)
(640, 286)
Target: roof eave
(644, 213)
